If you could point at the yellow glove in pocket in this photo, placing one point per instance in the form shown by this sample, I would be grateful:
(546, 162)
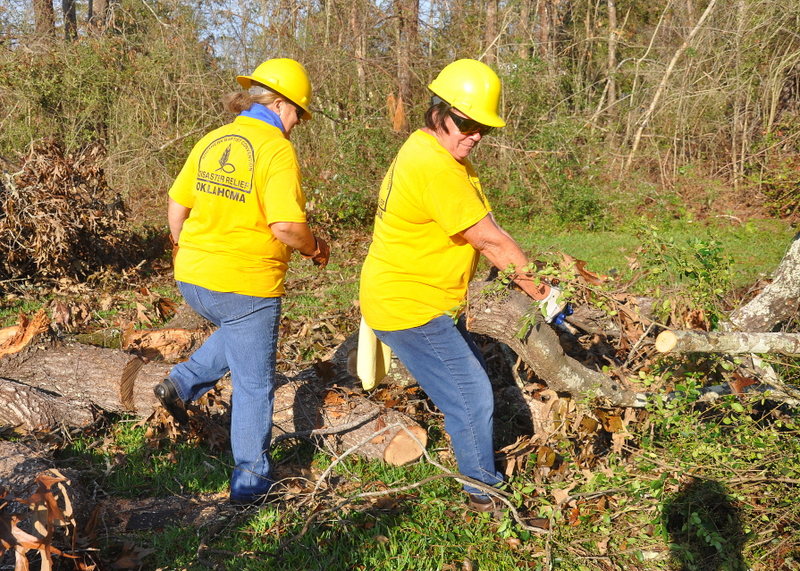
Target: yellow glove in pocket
(373, 357)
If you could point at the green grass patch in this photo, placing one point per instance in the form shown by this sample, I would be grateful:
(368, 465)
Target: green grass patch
(755, 247)
(127, 464)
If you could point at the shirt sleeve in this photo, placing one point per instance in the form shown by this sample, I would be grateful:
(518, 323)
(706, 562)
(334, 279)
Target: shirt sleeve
(455, 201)
(182, 189)
(283, 192)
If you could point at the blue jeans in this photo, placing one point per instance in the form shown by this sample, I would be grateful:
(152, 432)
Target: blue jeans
(450, 369)
(244, 344)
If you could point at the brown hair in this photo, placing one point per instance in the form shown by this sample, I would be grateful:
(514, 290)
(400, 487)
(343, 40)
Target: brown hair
(239, 101)
(436, 115)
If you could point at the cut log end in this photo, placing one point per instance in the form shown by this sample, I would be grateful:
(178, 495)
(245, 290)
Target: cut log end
(666, 341)
(403, 448)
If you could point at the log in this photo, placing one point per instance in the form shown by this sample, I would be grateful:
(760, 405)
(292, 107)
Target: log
(51, 383)
(500, 317)
(343, 419)
(28, 409)
(778, 301)
(85, 376)
(730, 343)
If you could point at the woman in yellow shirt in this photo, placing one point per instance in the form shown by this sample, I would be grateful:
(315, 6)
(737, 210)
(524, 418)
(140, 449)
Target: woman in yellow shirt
(432, 223)
(237, 210)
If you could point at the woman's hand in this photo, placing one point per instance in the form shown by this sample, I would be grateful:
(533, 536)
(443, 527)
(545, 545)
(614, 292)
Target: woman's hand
(320, 254)
(298, 235)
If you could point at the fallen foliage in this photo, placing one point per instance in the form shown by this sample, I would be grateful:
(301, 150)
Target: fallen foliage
(50, 518)
(60, 219)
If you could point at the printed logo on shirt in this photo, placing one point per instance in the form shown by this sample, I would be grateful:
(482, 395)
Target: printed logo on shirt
(386, 190)
(226, 168)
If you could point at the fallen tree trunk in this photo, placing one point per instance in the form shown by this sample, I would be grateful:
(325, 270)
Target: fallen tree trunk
(727, 342)
(500, 317)
(86, 375)
(778, 301)
(29, 409)
(49, 383)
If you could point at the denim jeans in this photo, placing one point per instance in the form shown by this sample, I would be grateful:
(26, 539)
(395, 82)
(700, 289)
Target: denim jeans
(450, 369)
(244, 344)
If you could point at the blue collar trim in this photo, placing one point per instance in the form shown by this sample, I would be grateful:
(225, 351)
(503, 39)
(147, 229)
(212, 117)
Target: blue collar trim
(262, 113)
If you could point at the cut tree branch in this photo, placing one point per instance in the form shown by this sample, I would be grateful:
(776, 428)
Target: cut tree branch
(500, 318)
(730, 343)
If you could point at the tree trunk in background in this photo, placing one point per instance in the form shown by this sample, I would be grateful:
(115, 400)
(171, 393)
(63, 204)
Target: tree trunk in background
(542, 28)
(611, 94)
(777, 302)
(407, 31)
(358, 30)
(547, 27)
(70, 20)
(490, 33)
(97, 14)
(45, 19)
(523, 26)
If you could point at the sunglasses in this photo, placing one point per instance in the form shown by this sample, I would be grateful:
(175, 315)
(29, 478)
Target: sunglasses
(469, 126)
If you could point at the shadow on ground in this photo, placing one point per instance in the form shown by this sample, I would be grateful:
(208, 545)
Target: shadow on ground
(705, 529)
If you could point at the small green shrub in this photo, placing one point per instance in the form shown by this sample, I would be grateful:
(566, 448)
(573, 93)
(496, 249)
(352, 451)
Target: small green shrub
(342, 187)
(698, 267)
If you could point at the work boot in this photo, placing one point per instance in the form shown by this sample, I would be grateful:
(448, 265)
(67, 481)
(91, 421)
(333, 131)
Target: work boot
(484, 504)
(167, 394)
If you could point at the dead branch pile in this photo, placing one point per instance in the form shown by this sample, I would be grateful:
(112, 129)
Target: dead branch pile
(58, 217)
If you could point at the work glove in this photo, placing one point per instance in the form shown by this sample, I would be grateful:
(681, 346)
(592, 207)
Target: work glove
(554, 306)
(321, 254)
(175, 249)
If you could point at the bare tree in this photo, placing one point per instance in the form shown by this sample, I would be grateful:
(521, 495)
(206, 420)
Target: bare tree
(490, 33)
(407, 12)
(645, 120)
(45, 19)
(611, 94)
(524, 22)
(70, 20)
(358, 29)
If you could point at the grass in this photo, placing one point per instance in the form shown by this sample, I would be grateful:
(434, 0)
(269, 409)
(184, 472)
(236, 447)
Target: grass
(756, 246)
(697, 486)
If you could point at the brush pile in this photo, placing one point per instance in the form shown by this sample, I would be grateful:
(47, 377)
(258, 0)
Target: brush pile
(58, 217)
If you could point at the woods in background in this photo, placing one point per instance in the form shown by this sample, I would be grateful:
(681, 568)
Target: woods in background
(695, 97)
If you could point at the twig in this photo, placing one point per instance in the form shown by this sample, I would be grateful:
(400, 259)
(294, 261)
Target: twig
(330, 430)
(153, 12)
(636, 345)
(489, 490)
(351, 450)
(179, 138)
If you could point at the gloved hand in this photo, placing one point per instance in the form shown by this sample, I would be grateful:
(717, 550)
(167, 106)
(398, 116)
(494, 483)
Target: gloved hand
(321, 253)
(175, 248)
(555, 307)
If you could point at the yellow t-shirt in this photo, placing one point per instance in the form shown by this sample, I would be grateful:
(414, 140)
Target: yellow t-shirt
(417, 268)
(237, 180)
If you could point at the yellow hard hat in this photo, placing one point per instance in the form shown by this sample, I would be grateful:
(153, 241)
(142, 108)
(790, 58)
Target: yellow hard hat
(284, 76)
(473, 88)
